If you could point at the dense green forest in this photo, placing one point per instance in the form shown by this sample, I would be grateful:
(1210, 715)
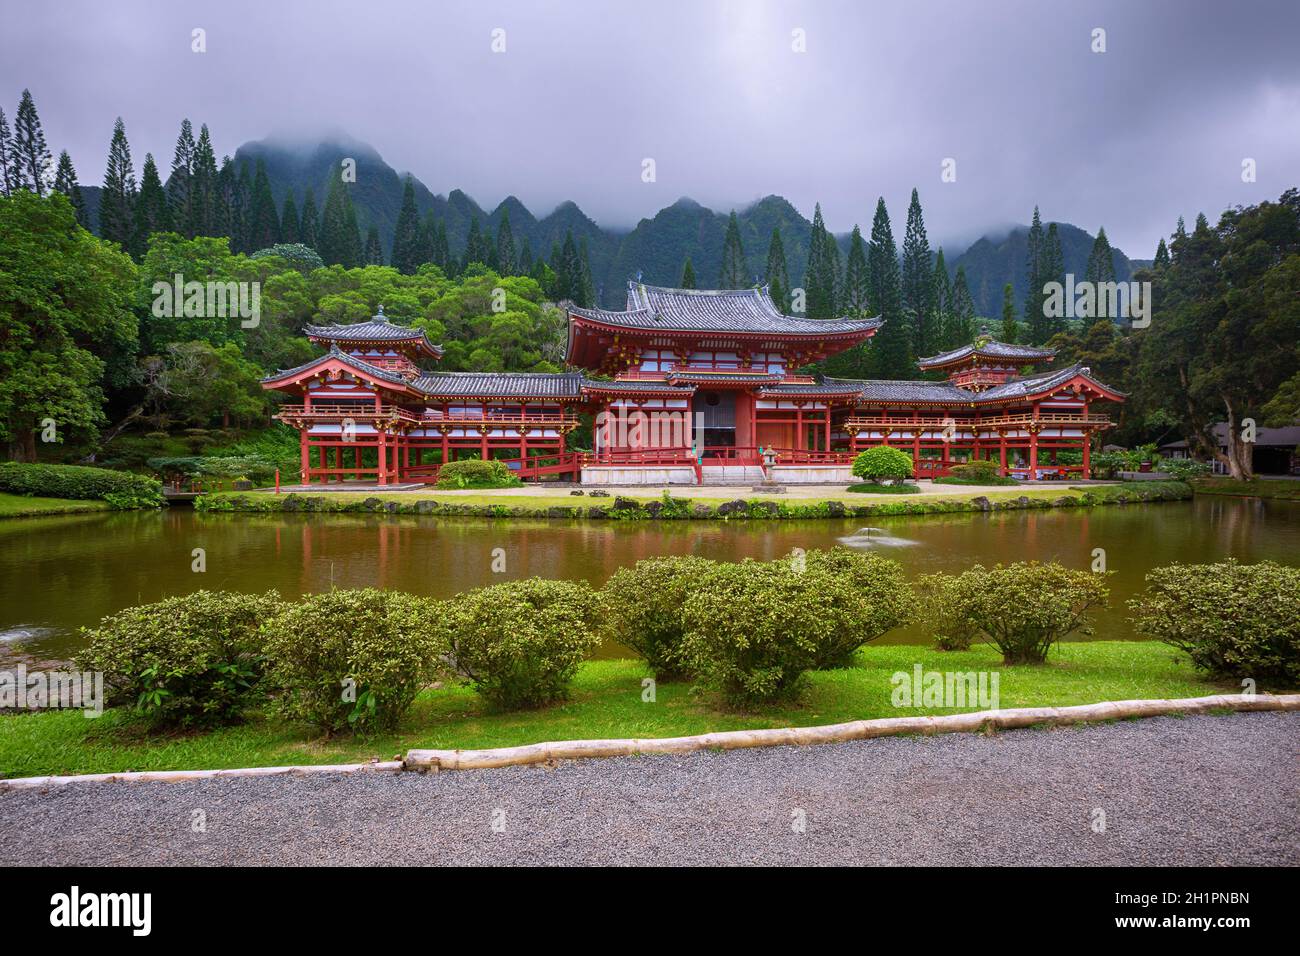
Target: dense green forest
(85, 346)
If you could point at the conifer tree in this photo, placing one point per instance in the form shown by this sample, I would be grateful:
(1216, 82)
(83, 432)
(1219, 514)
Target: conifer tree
(856, 279)
(1034, 295)
(151, 210)
(507, 259)
(1101, 263)
(474, 248)
(374, 250)
(1052, 269)
(940, 304)
(8, 177)
(441, 249)
(290, 227)
(179, 181)
(428, 236)
(1162, 255)
(777, 273)
(117, 197)
(1178, 239)
(242, 217)
(65, 181)
(340, 242)
(819, 278)
(34, 164)
(525, 257)
(204, 212)
(309, 223)
(568, 272)
(733, 257)
(892, 345)
(1009, 333)
(962, 315)
(264, 230)
(688, 275)
(917, 279)
(406, 234)
(223, 213)
(586, 297)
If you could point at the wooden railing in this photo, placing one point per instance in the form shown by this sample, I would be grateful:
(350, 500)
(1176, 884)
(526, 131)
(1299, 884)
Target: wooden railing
(1046, 418)
(366, 412)
(389, 412)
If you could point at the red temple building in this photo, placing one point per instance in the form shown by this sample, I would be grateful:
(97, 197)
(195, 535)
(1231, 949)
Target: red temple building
(681, 386)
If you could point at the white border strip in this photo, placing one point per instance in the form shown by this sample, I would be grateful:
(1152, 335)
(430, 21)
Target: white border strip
(434, 760)
(179, 776)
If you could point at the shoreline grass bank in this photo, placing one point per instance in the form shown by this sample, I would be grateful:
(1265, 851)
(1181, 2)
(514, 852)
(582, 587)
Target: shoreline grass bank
(655, 505)
(24, 506)
(606, 702)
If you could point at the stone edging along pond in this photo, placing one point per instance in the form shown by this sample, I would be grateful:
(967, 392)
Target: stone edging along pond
(432, 761)
(624, 508)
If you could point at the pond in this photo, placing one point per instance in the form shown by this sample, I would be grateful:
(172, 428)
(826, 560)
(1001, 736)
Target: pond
(59, 573)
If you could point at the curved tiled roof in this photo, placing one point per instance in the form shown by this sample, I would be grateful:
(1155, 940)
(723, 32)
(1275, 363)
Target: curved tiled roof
(501, 384)
(1041, 382)
(989, 349)
(721, 375)
(375, 329)
(715, 310)
(637, 386)
(350, 360)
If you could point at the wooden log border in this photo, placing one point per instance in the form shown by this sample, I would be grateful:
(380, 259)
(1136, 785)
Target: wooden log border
(180, 776)
(435, 760)
(425, 761)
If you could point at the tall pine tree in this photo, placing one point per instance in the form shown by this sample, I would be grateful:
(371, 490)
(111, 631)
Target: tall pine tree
(776, 273)
(819, 276)
(940, 305)
(1052, 269)
(406, 234)
(525, 257)
(152, 213)
(339, 241)
(1162, 255)
(1034, 296)
(65, 181)
(733, 258)
(507, 259)
(8, 176)
(917, 280)
(179, 181)
(1009, 333)
(374, 252)
(892, 346)
(962, 313)
(264, 230)
(117, 197)
(309, 223)
(205, 214)
(857, 281)
(34, 164)
(290, 227)
(1101, 261)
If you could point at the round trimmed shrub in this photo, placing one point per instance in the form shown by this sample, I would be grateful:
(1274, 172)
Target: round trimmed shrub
(875, 598)
(476, 473)
(354, 659)
(519, 643)
(882, 463)
(644, 610)
(979, 469)
(1026, 607)
(1233, 620)
(941, 609)
(188, 661)
(754, 628)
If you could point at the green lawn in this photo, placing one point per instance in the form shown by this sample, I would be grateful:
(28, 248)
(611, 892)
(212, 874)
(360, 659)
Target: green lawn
(606, 702)
(21, 506)
(1286, 489)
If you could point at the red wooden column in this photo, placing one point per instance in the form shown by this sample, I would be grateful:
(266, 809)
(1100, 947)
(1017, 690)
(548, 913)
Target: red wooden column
(828, 427)
(1002, 451)
(1087, 448)
(305, 449)
(916, 439)
(338, 462)
(799, 437)
(1033, 446)
(383, 458)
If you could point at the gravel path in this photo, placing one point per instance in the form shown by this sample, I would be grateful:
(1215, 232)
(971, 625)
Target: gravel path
(1198, 790)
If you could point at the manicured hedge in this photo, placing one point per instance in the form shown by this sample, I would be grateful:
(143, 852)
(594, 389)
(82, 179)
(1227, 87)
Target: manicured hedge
(520, 642)
(1233, 620)
(194, 660)
(354, 660)
(476, 473)
(643, 605)
(119, 488)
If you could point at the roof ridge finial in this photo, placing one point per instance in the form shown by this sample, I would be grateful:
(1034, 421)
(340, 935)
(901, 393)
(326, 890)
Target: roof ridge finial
(381, 312)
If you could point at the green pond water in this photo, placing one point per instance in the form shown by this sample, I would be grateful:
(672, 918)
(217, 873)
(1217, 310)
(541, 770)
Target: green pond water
(59, 573)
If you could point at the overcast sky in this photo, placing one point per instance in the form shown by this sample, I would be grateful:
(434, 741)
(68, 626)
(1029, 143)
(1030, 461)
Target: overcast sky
(1156, 126)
